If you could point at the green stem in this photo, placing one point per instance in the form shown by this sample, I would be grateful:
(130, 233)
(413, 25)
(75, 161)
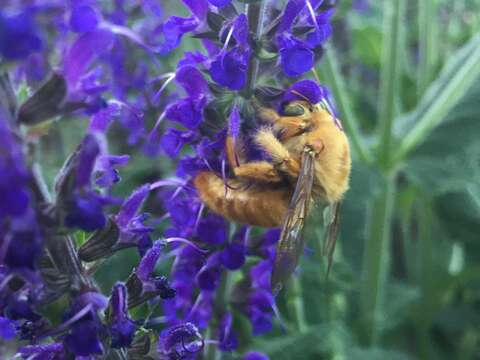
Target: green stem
(220, 308)
(330, 71)
(392, 45)
(256, 20)
(427, 304)
(297, 304)
(375, 261)
(428, 43)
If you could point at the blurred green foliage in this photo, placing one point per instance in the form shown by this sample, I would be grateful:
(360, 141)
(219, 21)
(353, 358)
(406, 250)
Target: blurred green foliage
(406, 277)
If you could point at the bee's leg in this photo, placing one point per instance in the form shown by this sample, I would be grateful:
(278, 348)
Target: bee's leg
(291, 126)
(258, 170)
(288, 126)
(233, 157)
(279, 153)
(268, 115)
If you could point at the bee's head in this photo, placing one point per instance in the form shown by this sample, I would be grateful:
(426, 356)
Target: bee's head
(305, 109)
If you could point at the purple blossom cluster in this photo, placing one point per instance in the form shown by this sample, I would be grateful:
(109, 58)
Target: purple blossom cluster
(104, 63)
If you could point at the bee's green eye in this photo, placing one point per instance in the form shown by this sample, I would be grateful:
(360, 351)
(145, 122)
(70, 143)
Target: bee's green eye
(294, 110)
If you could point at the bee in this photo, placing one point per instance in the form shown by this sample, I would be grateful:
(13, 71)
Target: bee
(310, 163)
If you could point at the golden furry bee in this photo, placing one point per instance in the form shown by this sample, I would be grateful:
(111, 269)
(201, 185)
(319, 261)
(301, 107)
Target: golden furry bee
(310, 162)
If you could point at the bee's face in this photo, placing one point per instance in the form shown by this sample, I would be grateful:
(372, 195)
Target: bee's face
(304, 109)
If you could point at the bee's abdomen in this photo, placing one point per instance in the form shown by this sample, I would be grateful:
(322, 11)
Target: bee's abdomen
(249, 205)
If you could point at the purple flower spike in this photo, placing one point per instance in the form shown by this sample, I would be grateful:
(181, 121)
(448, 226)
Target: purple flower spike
(220, 3)
(254, 355)
(18, 36)
(83, 18)
(182, 341)
(230, 68)
(308, 89)
(122, 327)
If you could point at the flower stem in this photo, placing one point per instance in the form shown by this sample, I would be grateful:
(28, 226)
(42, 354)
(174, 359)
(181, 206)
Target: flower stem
(428, 43)
(297, 304)
(375, 261)
(220, 307)
(392, 43)
(256, 13)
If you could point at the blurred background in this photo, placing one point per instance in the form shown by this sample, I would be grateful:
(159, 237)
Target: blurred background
(406, 277)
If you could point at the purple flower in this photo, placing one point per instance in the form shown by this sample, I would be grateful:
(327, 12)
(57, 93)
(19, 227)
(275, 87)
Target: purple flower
(107, 168)
(230, 68)
(208, 278)
(295, 56)
(7, 328)
(150, 283)
(86, 48)
(122, 328)
(19, 37)
(212, 229)
(199, 8)
(173, 140)
(192, 80)
(172, 31)
(83, 18)
(187, 111)
(52, 351)
(253, 355)
(323, 29)
(292, 10)
(85, 213)
(220, 3)
(304, 89)
(227, 335)
(85, 333)
(13, 182)
(181, 341)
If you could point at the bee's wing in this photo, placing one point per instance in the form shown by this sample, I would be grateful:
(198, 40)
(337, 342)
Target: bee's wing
(291, 243)
(332, 221)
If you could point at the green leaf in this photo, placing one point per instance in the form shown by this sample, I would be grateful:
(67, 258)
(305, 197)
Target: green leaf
(457, 76)
(316, 343)
(375, 354)
(366, 41)
(448, 160)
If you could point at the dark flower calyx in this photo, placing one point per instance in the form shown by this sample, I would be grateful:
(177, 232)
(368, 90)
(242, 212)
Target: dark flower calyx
(101, 243)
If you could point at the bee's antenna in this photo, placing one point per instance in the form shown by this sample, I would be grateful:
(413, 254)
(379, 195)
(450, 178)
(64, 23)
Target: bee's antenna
(329, 108)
